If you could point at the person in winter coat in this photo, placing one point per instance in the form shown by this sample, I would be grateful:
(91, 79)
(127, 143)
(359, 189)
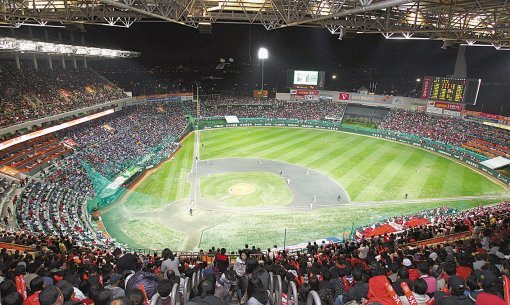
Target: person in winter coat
(205, 296)
(257, 295)
(170, 262)
(240, 264)
(455, 295)
(357, 292)
(489, 282)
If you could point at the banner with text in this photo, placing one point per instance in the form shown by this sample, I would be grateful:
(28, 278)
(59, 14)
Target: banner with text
(304, 94)
(454, 110)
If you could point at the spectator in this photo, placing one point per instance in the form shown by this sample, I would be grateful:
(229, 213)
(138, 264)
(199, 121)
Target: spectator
(114, 286)
(51, 295)
(36, 286)
(455, 295)
(205, 295)
(488, 281)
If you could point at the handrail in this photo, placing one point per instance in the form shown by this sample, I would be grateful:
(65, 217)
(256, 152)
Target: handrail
(292, 294)
(278, 290)
(186, 290)
(441, 239)
(271, 282)
(313, 298)
(12, 246)
(194, 280)
(175, 295)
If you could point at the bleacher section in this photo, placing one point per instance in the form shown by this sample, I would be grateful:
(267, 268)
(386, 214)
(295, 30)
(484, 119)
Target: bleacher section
(56, 210)
(113, 143)
(28, 94)
(32, 156)
(487, 140)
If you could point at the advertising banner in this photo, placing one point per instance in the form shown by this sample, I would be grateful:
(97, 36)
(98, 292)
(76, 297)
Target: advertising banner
(445, 108)
(260, 93)
(486, 117)
(49, 130)
(425, 88)
(344, 96)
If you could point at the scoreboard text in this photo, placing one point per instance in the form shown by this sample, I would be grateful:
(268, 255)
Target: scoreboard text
(452, 90)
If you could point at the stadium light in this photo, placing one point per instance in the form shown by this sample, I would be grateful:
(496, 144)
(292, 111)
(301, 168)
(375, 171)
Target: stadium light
(418, 80)
(263, 55)
(333, 76)
(30, 46)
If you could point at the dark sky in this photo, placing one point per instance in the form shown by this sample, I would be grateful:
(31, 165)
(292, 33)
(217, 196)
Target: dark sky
(363, 59)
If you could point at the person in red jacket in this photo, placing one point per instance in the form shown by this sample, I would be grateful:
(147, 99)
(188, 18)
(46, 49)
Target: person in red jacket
(490, 295)
(377, 287)
(36, 285)
(221, 260)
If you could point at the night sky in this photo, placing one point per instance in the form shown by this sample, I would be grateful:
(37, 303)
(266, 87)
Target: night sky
(362, 60)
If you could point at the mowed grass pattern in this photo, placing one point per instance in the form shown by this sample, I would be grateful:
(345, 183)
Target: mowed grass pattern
(168, 183)
(369, 169)
(268, 189)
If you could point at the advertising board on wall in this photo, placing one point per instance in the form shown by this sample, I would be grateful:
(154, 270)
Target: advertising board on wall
(445, 108)
(344, 96)
(304, 94)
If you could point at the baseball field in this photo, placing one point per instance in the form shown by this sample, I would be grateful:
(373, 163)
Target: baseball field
(228, 187)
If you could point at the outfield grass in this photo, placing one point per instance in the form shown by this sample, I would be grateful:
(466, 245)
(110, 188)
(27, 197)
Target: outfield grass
(369, 169)
(265, 229)
(167, 183)
(151, 235)
(267, 189)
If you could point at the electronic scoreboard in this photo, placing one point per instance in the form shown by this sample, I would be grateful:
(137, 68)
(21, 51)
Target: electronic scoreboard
(452, 90)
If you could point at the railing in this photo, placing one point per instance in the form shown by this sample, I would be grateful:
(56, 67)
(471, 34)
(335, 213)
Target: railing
(442, 239)
(11, 246)
(313, 298)
(292, 294)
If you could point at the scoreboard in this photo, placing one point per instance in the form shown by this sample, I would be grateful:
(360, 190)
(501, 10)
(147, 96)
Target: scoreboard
(452, 90)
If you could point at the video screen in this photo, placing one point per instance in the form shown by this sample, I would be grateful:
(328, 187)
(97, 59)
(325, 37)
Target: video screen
(310, 78)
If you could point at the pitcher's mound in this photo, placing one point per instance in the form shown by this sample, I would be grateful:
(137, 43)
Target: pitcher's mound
(240, 189)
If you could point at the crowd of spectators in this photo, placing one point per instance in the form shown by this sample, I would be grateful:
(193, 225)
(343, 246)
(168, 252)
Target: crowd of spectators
(271, 109)
(443, 129)
(237, 101)
(493, 141)
(70, 174)
(29, 94)
(55, 210)
(113, 143)
(66, 270)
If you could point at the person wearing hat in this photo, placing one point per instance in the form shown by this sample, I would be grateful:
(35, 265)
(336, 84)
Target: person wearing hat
(473, 289)
(413, 272)
(115, 280)
(455, 295)
(490, 295)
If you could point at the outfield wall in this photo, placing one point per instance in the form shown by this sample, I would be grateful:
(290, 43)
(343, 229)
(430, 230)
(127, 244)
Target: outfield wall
(467, 157)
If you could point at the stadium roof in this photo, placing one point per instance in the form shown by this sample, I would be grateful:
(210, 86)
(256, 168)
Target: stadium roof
(461, 21)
